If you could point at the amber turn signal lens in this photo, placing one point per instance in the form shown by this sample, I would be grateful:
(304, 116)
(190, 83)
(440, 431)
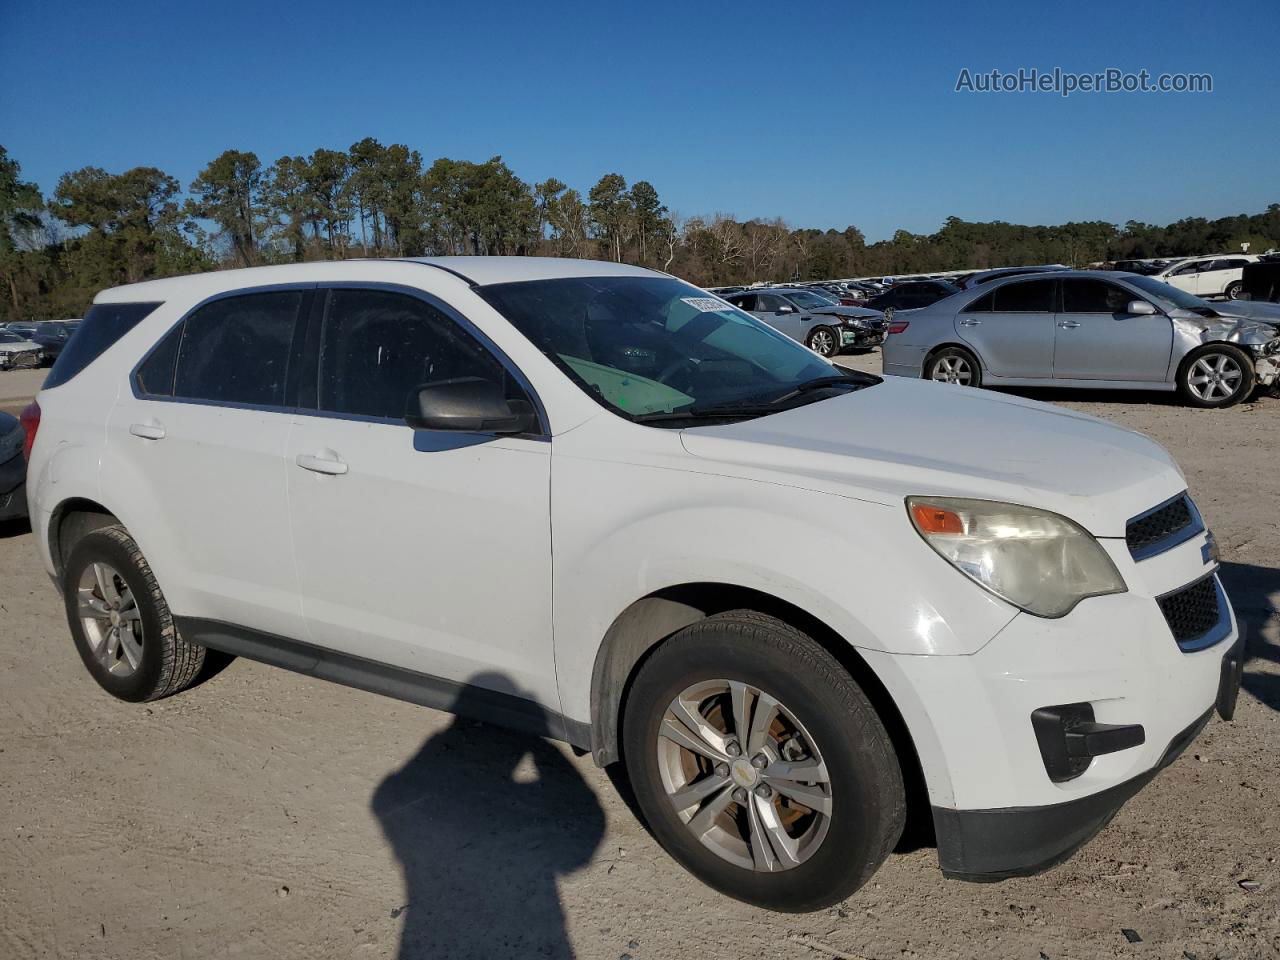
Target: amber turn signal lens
(930, 519)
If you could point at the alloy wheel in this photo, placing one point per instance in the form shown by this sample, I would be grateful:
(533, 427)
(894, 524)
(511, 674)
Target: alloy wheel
(953, 370)
(111, 619)
(1215, 376)
(744, 776)
(822, 343)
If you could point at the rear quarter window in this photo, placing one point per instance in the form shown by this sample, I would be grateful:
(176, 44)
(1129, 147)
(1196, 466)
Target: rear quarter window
(103, 325)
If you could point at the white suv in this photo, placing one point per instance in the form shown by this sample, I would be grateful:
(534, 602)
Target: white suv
(1216, 276)
(598, 503)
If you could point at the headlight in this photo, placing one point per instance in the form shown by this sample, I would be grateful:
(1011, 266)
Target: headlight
(1039, 561)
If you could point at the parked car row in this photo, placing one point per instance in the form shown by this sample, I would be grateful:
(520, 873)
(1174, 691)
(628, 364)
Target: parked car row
(825, 597)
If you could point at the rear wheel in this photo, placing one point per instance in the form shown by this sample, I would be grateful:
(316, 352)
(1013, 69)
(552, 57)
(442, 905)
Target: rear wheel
(1218, 375)
(823, 341)
(954, 365)
(1234, 290)
(760, 765)
(120, 621)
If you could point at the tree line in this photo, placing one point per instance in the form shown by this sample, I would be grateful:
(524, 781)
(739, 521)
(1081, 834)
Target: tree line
(101, 229)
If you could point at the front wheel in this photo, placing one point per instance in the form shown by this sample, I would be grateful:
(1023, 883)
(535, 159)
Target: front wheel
(1216, 376)
(824, 342)
(760, 765)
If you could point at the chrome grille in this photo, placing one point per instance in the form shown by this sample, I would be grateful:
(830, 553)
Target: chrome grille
(1193, 612)
(1164, 527)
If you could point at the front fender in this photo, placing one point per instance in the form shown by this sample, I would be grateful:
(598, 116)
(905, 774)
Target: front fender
(623, 531)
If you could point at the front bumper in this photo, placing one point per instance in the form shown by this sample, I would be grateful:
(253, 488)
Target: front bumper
(1001, 804)
(860, 337)
(996, 844)
(21, 359)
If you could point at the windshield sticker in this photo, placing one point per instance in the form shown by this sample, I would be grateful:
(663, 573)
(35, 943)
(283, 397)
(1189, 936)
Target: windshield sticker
(706, 304)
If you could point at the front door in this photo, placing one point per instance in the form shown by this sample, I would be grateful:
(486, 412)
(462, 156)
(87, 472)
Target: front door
(780, 315)
(1096, 338)
(1186, 276)
(429, 551)
(1011, 329)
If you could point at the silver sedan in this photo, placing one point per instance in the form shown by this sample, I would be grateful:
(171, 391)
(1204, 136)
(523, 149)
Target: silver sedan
(1078, 328)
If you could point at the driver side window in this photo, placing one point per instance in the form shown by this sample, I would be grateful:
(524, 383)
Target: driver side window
(377, 347)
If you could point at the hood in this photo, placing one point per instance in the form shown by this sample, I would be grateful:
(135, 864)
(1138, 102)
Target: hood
(853, 313)
(1258, 310)
(19, 346)
(1229, 329)
(904, 437)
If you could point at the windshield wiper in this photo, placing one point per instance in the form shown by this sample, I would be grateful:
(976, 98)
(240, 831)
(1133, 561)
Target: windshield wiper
(852, 379)
(725, 412)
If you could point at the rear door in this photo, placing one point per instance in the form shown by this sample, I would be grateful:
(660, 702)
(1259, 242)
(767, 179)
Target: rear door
(1011, 328)
(1096, 338)
(205, 428)
(429, 551)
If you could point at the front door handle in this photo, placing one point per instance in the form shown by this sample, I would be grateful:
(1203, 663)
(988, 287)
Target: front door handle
(970, 323)
(330, 466)
(147, 431)
(1068, 324)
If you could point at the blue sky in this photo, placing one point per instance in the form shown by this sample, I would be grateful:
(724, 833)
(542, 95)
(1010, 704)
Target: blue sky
(825, 115)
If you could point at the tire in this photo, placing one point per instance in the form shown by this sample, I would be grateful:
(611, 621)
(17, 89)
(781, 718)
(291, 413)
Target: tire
(142, 657)
(954, 365)
(1231, 365)
(822, 716)
(823, 341)
(1233, 290)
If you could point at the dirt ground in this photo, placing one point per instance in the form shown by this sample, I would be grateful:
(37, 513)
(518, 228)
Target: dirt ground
(266, 815)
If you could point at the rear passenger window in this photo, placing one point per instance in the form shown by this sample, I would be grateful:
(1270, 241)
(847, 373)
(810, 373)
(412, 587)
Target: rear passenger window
(984, 304)
(155, 374)
(236, 350)
(103, 325)
(1029, 296)
(378, 347)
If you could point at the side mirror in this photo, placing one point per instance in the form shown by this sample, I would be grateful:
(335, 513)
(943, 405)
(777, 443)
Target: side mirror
(470, 405)
(1140, 308)
(786, 308)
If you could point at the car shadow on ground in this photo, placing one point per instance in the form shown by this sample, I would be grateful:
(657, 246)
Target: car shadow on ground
(1255, 596)
(14, 528)
(484, 821)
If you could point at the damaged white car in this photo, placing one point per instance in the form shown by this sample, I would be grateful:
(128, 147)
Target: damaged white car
(1077, 328)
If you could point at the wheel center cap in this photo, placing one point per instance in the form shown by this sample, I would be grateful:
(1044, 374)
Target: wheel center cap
(743, 773)
(115, 618)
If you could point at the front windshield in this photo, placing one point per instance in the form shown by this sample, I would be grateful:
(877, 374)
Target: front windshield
(650, 345)
(811, 300)
(1170, 297)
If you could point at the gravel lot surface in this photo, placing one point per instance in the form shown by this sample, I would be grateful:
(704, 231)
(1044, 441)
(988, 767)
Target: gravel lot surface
(263, 814)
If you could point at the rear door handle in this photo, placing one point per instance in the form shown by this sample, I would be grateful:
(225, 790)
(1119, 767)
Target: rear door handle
(970, 323)
(330, 466)
(1068, 324)
(147, 431)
